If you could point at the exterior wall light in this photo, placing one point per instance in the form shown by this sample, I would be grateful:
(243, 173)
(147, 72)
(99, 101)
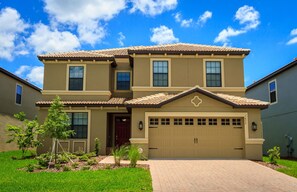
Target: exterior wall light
(254, 126)
(140, 125)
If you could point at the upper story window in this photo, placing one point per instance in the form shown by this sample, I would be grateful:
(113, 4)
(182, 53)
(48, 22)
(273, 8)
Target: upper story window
(18, 94)
(213, 74)
(76, 78)
(123, 80)
(160, 73)
(79, 124)
(272, 91)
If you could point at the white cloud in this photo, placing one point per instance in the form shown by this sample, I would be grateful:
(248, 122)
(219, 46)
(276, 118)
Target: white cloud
(294, 38)
(121, 39)
(247, 16)
(183, 22)
(11, 27)
(32, 74)
(152, 7)
(293, 32)
(44, 40)
(85, 15)
(204, 17)
(22, 70)
(163, 35)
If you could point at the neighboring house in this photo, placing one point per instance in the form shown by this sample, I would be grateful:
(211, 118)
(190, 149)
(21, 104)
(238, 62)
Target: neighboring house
(16, 95)
(279, 120)
(176, 100)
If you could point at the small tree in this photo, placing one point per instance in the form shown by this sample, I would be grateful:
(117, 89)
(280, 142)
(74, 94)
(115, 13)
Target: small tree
(25, 136)
(57, 123)
(274, 155)
(97, 146)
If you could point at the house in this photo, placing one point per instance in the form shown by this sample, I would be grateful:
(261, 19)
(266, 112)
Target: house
(175, 100)
(16, 95)
(279, 120)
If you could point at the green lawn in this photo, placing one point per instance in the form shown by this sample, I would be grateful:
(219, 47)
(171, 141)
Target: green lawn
(290, 166)
(123, 179)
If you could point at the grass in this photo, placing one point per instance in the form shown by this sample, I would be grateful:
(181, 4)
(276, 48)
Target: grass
(290, 166)
(122, 179)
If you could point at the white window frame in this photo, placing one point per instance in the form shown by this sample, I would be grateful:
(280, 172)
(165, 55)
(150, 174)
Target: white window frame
(15, 94)
(84, 78)
(276, 99)
(152, 71)
(222, 72)
(116, 79)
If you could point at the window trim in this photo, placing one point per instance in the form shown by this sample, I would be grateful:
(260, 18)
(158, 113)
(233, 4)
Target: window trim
(276, 99)
(116, 79)
(222, 72)
(84, 77)
(15, 94)
(152, 71)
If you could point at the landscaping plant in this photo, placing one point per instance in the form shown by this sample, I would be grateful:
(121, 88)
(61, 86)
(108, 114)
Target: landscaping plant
(134, 155)
(25, 136)
(274, 155)
(119, 154)
(57, 123)
(97, 146)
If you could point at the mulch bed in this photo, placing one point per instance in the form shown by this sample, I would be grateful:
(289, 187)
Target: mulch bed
(272, 166)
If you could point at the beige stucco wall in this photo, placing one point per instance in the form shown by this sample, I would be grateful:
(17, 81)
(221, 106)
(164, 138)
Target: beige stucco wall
(207, 105)
(7, 97)
(98, 127)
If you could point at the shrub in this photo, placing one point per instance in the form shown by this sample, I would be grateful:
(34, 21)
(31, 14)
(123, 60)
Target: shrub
(63, 158)
(92, 154)
(97, 146)
(108, 167)
(134, 155)
(66, 168)
(75, 165)
(118, 154)
(30, 168)
(71, 156)
(92, 162)
(274, 154)
(79, 153)
(83, 158)
(84, 168)
(58, 166)
(43, 159)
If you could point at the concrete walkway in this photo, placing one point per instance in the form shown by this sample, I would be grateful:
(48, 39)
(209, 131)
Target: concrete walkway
(218, 176)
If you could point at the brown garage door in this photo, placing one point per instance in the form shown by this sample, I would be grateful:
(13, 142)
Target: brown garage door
(196, 137)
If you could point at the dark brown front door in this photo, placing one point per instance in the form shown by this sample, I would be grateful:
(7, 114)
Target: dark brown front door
(122, 130)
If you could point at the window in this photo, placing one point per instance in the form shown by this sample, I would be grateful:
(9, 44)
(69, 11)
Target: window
(160, 73)
(123, 81)
(76, 78)
(178, 121)
(79, 124)
(212, 121)
(225, 122)
(202, 121)
(165, 121)
(189, 122)
(213, 74)
(272, 91)
(18, 94)
(236, 121)
(154, 121)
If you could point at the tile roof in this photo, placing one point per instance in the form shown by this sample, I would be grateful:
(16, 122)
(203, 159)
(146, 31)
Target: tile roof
(161, 99)
(111, 102)
(176, 48)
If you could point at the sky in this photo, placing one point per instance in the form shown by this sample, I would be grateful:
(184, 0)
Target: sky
(32, 27)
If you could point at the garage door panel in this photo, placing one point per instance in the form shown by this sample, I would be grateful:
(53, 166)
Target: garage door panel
(212, 141)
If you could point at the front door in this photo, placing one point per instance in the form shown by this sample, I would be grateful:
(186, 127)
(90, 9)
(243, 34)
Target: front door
(122, 130)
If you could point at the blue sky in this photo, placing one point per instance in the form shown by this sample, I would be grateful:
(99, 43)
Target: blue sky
(28, 28)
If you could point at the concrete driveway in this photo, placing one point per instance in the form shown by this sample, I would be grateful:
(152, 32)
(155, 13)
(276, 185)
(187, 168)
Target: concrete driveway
(217, 176)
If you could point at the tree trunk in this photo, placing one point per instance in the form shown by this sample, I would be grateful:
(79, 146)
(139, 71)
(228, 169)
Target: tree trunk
(56, 147)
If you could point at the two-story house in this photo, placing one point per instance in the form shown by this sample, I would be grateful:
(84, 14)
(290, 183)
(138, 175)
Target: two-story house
(16, 95)
(279, 120)
(176, 100)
